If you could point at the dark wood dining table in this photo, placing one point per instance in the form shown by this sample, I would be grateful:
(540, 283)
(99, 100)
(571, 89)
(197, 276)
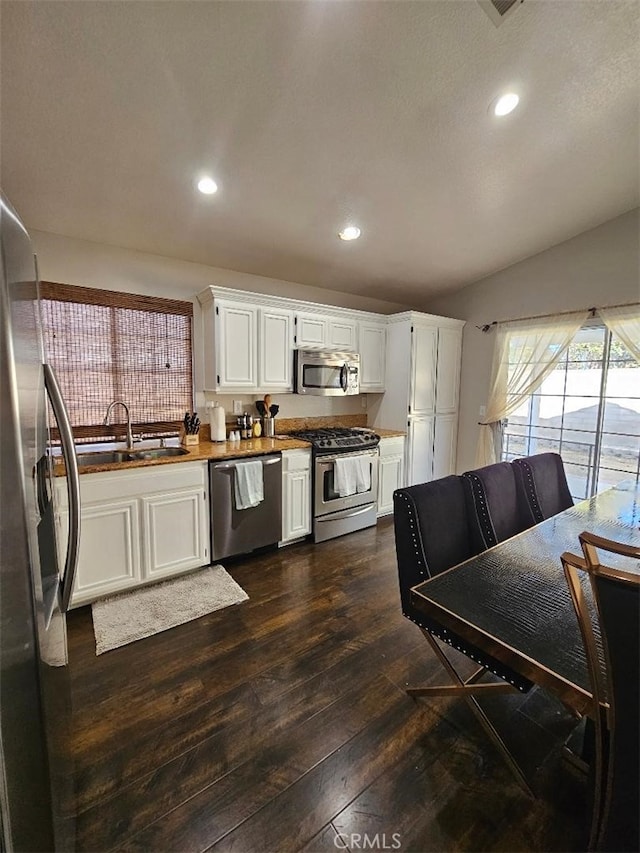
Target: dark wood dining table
(512, 601)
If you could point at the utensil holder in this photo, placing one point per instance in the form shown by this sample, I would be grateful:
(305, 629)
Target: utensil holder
(268, 427)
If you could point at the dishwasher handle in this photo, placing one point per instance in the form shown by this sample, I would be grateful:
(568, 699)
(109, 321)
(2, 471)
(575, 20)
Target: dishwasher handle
(230, 466)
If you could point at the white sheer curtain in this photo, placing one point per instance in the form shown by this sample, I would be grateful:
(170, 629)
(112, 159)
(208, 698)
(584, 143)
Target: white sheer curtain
(526, 351)
(625, 324)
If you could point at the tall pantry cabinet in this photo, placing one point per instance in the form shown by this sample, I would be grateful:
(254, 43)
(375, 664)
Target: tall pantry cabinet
(423, 382)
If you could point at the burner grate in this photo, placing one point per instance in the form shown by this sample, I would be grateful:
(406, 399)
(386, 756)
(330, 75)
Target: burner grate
(338, 439)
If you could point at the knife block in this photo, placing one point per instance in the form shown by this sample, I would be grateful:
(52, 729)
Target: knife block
(189, 440)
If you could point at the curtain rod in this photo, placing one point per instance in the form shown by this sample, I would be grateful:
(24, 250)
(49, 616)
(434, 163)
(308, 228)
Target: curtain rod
(592, 311)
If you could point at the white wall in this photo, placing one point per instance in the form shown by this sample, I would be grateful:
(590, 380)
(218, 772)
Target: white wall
(597, 268)
(89, 264)
(80, 262)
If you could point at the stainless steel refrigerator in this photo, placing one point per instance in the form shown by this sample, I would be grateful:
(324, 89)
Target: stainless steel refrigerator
(36, 773)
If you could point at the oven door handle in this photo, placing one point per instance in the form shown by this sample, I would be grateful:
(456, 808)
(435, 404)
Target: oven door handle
(329, 460)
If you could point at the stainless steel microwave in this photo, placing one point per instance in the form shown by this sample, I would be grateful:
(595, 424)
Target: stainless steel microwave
(326, 373)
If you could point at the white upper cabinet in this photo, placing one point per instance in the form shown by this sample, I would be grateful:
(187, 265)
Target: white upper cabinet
(448, 371)
(246, 347)
(248, 341)
(311, 331)
(424, 355)
(372, 357)
(275, 361)
(237, 333)
(326, 331)
(342, 334)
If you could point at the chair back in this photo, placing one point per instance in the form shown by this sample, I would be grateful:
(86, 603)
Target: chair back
(492, 505)
(432, 533)
(541, 487)
(614, 681)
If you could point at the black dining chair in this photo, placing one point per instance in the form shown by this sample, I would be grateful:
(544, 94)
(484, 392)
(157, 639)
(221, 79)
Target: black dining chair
(542, 487)
(613, 674)
(432, 534)
(492, 503)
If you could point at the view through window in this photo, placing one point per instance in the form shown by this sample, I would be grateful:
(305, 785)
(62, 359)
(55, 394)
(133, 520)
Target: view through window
(588, 411)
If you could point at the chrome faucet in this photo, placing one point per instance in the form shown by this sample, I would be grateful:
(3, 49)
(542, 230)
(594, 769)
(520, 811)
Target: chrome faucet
(126, 408)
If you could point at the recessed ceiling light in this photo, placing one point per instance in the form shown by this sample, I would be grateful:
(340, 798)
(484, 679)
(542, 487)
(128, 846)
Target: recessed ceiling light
(506, 104)
(351, 232)
(207, 186)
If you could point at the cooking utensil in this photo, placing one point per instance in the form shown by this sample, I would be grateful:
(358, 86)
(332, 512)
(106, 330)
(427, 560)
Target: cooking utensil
(262, 409)
(273, 410)
(267, 403)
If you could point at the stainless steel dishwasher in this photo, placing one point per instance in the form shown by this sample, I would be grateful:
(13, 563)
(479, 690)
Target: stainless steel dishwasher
(239, 531)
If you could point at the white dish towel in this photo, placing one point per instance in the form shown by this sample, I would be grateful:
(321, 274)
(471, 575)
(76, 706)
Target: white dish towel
(248, 484)
(352, 474)
(345, 472)
(363, 473)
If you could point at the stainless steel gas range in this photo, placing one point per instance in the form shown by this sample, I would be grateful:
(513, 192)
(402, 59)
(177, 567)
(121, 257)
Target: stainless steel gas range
(345, 479)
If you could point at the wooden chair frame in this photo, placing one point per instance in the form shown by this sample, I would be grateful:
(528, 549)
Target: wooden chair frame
(601, 709)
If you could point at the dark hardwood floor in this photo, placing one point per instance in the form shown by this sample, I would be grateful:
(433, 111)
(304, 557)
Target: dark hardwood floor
(282, 724)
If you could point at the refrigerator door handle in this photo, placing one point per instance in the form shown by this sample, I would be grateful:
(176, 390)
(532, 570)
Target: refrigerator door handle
(73, 484)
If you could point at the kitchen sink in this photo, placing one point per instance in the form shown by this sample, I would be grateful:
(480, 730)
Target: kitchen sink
(104, 458)
(108, 457)
(157, 453)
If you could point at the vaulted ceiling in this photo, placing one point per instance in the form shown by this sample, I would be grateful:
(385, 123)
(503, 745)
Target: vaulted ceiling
(311, 115)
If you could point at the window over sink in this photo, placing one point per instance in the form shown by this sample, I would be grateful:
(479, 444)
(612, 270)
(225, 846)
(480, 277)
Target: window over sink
(107, 346)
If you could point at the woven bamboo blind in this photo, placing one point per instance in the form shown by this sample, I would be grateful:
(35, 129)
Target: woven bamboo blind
(107, 346)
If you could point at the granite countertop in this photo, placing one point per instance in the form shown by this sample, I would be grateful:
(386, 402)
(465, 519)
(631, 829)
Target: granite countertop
(389, 433)
(204, 452)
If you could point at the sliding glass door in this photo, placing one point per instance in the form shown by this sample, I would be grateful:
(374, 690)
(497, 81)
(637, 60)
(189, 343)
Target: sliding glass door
(588, 410)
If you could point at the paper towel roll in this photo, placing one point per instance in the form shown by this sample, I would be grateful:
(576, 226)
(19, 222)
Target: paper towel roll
(217, 423)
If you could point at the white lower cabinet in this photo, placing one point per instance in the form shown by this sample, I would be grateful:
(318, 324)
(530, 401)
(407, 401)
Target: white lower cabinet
(296, 494)
(109, 557)
(420, 450)
(444, 445)
(175, 532)
(137, 526)
(431, 448)
(390, 471)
